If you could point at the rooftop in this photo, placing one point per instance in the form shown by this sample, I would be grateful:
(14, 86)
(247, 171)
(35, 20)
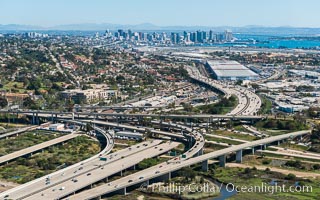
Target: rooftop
(230, 68)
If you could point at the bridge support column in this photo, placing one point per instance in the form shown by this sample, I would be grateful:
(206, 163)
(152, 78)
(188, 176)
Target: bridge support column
(123, 191)
(263, 146)
(204, 165)
(200, 152)
(239, 156)
(33, 119)
(222, 161)
(106, 179)
(37, 118)
(252, 150)
(165, 177)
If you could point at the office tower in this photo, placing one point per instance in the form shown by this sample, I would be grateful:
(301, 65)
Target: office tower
(193, 37)
(136, 36)
(150, 37)
(174, 38)
(185, 35)
(120, 31)
(220, 37)
(204, 36)
(199, 36)
(178, 38)
(107, 33)
(228, 36)
(130, 34)
(187, 39)
(211, 35)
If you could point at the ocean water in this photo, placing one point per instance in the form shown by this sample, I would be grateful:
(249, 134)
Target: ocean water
(270, 41)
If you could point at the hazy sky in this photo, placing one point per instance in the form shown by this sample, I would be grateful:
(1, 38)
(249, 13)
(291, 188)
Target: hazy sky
(299, 13)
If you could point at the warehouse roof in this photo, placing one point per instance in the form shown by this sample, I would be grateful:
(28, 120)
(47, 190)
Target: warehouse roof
(230, 69)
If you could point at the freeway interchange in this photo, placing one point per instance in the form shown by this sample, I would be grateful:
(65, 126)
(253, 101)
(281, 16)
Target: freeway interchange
(69, 183)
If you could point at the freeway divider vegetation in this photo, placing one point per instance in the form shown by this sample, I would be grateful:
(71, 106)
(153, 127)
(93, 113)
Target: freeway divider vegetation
(222, 107)
(277, 124)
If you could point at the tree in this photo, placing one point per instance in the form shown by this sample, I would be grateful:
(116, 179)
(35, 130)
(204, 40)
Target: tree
(3, 102)
(316, 166)
(28, 102)
(290, 177)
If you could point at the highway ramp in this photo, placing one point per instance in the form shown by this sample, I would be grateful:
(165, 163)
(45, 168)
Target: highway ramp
(168, 167)
(32, 149)
(101, 173)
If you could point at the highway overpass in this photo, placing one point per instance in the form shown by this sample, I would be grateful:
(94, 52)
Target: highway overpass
(78, 115)
(165, 171)
(35, 148)
(17, 132)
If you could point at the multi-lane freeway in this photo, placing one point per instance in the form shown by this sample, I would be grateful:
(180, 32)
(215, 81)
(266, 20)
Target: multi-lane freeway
(101, 171)
(168, 167)
(248, 102)
(28, 189)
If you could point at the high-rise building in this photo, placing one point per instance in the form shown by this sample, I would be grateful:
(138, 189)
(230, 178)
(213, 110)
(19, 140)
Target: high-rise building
(130, 34)
(185, 35)
(193, 37)
(211, 35)
(220, 37)
(107, 33)
(204, 36)
(174, 38)
(120, 31)
(228, 35)
(199, 36)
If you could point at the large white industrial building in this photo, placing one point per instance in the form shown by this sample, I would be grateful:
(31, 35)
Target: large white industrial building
(229, 70)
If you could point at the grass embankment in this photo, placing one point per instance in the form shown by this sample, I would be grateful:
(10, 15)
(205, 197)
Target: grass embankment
(26, 169)
(279, 126)
(224, 106)
(232, 135)
(265, 106)
(284, 162)
(222, 140)
(251, 177)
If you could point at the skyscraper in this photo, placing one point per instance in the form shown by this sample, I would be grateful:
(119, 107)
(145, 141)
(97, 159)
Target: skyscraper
(228, 35)
(204, 36)
(199, 36)
(211, 35)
